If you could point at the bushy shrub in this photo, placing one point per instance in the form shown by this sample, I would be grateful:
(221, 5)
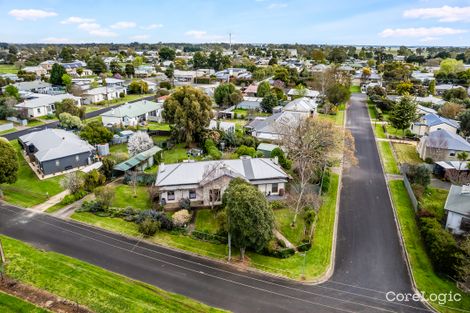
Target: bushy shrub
(283, 161)
(165, 222)
(249, 151)
(149, 227)
(211, 149)
(304, 246)
(442, 248)
(181, 218)
(185, 203)
(91, 206)
(419, 174)
(71, 198)
(278, 205)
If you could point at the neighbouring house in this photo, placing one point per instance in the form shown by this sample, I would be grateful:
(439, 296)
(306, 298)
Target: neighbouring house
(441, 88)
(55, 150)
(430, 99)
(432, 122)
(270, 128)
(131, 114)
(305, 93)
(421, 110)
(37, 70)
(227, 127)
(423, 76)
(442, 145)
(102, 93)
(114, 82)
(457, 208)
(44, 104)
(205, 182)
(266, 148)
(32, 86)
(145, 71)
(139, 162)
(251, 90)
(303, 105)
(443, 169)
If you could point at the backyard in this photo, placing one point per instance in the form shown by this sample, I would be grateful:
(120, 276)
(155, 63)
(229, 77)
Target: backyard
(76, 280)
(29, 190)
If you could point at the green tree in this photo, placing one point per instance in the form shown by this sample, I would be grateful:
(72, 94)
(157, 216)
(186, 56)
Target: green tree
(269, 102)
(338, 94)
(250, 220)
(67, 54)
(337, 55)
(115, 68)
(432, 87)
(281, 156)
(97, 65)
(263, 89)
(199, 60)
(167, 53)
(404, 88)
(282, 74)
(93, 179)
(69, 121)
(138, 87)
(464, 119)
(12, 91)
(403, 113)
(226, 95)
(69, 106)
(451, 66)
(190, 110)
(8, 163)
(95, 133)
(67, 81)
(57, 72)
(107, 168)
(138, 61)
(129, 70)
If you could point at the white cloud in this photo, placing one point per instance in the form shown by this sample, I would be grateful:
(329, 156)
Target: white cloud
(56, 40)
(202, 35)
(95, 29)
(420, 32)
(277, 5)
(123, 25)
(430, 39)
(77, 20)
(443, 14)
(30, 14)
(139, 37)
(152, 26)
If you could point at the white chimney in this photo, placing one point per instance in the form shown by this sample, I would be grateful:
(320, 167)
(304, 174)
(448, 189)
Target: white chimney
(465, 190)
(276, 160)
(162, 167)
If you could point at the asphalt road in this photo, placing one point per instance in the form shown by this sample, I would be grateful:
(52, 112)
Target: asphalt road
(368, 264)
(15, 135)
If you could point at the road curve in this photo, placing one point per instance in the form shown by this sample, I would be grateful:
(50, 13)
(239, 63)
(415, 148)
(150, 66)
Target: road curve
(368, 257)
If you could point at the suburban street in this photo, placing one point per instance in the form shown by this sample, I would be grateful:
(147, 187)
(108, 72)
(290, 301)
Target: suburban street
(15, 135)
(369, 259)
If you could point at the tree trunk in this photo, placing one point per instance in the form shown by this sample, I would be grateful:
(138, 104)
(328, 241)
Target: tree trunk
(297, 205)
(242, 254)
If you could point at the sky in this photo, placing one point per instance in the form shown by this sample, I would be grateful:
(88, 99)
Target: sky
(344, 22)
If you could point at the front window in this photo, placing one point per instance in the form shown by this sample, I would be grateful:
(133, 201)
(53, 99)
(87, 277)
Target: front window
(275, 188)
(214, 195)
(57, 163)
(77, 158)
(192, 194)
(171, 195)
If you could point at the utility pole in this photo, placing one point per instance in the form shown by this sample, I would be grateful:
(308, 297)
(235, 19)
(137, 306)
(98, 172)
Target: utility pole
(229, 241)
(230, 41)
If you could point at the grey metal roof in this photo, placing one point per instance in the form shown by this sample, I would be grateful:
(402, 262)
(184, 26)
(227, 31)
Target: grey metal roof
(433, 119)
(303, 104)
(192, 173)
(55, 143)
(133, 109)
(458, 201)
(44, 100)
(35, 84)
(444, 139)
(137, 159)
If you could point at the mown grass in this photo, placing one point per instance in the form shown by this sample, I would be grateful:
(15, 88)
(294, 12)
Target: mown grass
(124, 197)
(379, 131)
(158, 126)
(390, 165)
(29, 190)
(355, 89)
(8, 69)
(433, 201)
(89, 285)
(206, 221)
(426, 279)
(284, 218)
(11, 304)
(406, 153)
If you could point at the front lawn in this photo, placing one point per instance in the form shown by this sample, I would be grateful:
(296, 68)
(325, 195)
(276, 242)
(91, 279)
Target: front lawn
(379, 131)
(426, 279)
(317, 260)
(406, 153)
(158, 126)
(29, 190)
(8, 69)
(284, 218)
(433, 201)
(206, 221)
(11, 304)
(390, 165)
(89, 285)
(124, 197)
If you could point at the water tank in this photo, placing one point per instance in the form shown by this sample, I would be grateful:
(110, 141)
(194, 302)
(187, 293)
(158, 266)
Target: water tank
(103, 150)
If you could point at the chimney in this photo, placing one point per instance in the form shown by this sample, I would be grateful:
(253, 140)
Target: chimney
(276, 160)
(465, 190)
(162, 167)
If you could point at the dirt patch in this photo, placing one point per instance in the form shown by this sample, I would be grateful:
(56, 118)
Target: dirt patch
(40, 297)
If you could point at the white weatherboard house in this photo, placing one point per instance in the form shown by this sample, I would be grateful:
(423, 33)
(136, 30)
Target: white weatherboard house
(103, 93)
(458, 209)
(131, 114)
(303, 105)
(204, 183)
(45, 104)
(432, 122)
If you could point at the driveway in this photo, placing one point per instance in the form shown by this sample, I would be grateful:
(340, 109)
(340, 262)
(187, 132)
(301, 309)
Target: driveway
(368, 264)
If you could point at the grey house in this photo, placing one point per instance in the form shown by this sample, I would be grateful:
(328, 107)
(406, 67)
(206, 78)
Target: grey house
(56, 150)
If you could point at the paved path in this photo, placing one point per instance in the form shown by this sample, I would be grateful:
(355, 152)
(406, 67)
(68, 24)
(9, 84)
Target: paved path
(368, 264)
(51, 201)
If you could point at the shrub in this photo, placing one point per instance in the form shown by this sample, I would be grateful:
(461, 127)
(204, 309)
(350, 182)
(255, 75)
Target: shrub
(419, 174)
(181, 218)
(304, 246)
(278, 205)
(185, 203)
(283, 161)
(165, 222)
(91, 206)
(94, 179)
(442, 248)
(212, 150)
(71, 198)
(149, 227)
(165, 85)
(244, 150)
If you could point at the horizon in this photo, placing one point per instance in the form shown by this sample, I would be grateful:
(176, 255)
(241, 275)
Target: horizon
(389, 23)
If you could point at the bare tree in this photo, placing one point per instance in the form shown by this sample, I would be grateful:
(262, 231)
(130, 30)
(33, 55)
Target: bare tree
(309, 142)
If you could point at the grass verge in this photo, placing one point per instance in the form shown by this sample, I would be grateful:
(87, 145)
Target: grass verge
(11, 304)
(89, 285)
(426, 279)
(390, 165)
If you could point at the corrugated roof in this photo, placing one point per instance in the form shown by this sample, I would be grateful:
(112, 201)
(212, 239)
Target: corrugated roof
(444, 139)
(457, 201)
(133, 109)
(137, 159)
